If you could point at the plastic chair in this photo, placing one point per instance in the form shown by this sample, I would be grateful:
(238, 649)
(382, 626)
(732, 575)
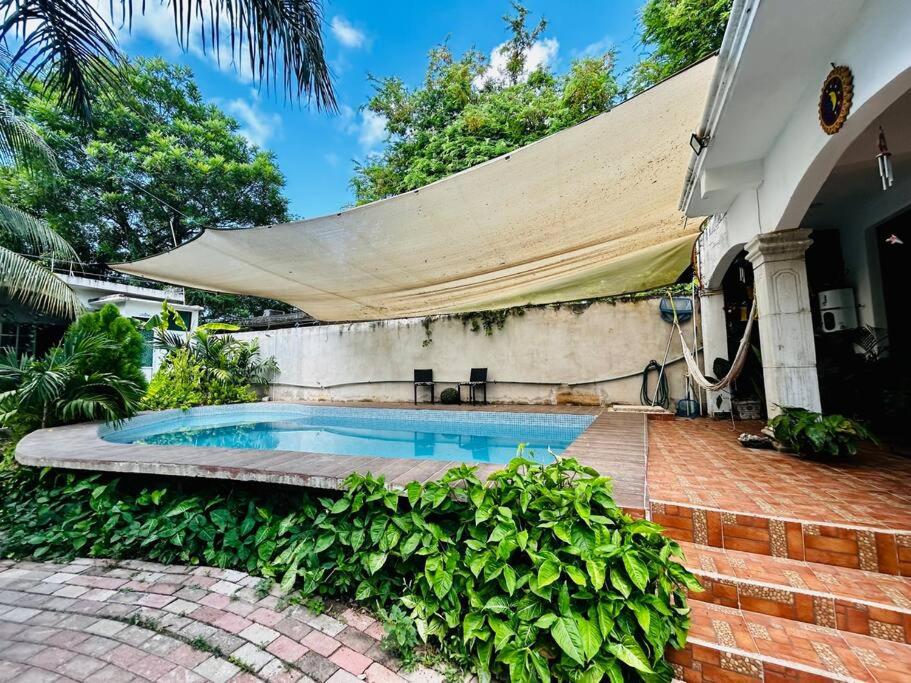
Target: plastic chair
(423, 378)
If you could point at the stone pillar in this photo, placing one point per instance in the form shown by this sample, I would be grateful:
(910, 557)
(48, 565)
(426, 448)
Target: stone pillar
(714, 345)
(785, 322)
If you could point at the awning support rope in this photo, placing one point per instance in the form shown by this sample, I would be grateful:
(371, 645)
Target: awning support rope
(736, 366)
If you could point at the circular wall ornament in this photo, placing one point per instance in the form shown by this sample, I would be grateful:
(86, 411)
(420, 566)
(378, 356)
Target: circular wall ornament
(835, 99)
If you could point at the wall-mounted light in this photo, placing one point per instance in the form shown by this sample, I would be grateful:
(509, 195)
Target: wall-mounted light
(884, 159)
(697, 143)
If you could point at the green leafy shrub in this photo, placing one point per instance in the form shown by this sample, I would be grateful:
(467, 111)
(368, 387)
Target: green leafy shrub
(61, 387)
(184, 382)
(203, 367)
(535, 575)
(401, 637)
(123, 357)
(449, 396)
(808, 432)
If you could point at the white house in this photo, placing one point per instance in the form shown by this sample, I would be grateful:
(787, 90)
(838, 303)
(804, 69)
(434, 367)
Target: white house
(785, 163)
(134, 301)
(29, 331)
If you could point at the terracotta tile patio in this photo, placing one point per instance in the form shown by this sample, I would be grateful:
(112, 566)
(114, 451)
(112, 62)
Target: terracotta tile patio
(701, 463)
(806, 564)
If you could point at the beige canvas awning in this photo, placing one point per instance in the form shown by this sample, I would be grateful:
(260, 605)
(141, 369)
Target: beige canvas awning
(590, 211)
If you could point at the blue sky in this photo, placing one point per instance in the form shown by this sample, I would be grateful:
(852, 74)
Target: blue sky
(316, 151)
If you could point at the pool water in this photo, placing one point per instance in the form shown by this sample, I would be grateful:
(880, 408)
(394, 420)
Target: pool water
(473, 437)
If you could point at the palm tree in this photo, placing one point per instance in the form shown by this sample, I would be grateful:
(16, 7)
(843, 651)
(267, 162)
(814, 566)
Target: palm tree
(74, 50)
(51, 390)
(22, 279)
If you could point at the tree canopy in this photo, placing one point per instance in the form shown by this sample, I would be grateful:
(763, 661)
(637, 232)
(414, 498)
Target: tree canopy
(465, 112)
(152, 165)
(679, 32)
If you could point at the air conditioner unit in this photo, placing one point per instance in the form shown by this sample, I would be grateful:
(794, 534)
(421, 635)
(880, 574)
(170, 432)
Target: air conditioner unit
(837, 310)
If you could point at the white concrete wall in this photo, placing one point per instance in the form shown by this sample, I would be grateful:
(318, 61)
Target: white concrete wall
(375, 361)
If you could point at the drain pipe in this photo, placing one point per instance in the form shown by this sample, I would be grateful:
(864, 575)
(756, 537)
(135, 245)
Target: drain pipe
(739, 22)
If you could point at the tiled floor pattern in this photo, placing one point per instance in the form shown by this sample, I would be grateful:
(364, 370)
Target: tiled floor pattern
(728, 644)
(97, 621)
(801, 559)
(868, 603)
(707, 489)
(700, 463)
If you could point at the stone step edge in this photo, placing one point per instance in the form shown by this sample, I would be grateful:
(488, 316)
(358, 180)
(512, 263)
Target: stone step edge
(794, 520)
(715, 576)
(738, 658)
(836, 544)
(751, 664)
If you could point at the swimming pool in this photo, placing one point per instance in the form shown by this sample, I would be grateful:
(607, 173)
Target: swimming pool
(467, 436)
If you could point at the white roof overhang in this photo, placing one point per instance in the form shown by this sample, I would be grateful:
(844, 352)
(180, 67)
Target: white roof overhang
(771, 54)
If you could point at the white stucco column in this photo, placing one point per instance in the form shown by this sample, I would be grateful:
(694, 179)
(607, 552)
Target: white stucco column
(785, 322)
(714, 345)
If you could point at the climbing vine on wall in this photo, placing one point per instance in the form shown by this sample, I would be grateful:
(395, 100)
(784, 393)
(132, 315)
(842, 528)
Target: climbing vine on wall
(428, 330)
(488, 321)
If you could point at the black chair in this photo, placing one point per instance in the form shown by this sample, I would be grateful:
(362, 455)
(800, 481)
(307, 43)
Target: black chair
(423, 378)
(477, 380)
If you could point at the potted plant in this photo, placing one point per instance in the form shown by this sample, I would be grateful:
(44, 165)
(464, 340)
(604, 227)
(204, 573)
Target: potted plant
(806, 432)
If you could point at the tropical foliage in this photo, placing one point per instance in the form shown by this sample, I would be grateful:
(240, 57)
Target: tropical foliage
(22, 236)
(57, 388)
(154, 165)
(205, 366)
(677, 33)
(124, 359)
(72, 48)
(537, 575)
(465, 113)
(812, 433)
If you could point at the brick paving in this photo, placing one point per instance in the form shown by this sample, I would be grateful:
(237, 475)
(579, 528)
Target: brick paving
(97, 621)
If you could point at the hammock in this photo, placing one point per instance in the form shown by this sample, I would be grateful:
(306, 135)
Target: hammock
(736, 366)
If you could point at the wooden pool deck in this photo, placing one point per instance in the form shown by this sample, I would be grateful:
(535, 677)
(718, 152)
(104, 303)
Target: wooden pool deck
(615, 444)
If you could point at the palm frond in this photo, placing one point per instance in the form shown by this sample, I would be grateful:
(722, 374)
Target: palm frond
(20, 143)
(99, 396)
(170, 341)
(268, 35)
(34, 235)
(33, 285)
(74, 49)
(67, 44)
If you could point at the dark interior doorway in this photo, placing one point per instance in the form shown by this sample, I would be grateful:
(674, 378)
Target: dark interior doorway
(748, 390)
(894, 240)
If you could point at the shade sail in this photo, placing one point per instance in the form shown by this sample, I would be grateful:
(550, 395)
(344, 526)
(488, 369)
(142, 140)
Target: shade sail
(590, 211)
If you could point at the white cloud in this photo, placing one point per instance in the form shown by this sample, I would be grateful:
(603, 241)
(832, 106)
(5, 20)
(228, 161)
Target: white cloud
(541, 53)
(368, 126)
(256, 125)
(156, 24)
(345, 32)
(597, 49)
(372, 129)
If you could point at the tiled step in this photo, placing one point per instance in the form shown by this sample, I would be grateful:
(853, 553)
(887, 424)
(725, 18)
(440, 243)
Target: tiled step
(851, 600)
(872, 549)
(730, 645)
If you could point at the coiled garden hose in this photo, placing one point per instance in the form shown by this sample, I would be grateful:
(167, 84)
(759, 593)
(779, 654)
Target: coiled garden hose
(661, 396)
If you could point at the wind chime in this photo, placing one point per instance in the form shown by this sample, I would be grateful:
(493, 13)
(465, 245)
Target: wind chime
(884, 159)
